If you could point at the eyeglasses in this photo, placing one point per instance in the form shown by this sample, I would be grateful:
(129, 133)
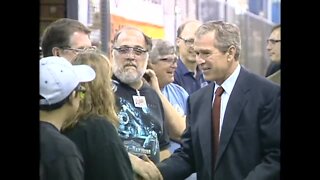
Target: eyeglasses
(80, 50)
(273, 41)
(123, 50)
(188, 42)
(169, 60)
(81, 90)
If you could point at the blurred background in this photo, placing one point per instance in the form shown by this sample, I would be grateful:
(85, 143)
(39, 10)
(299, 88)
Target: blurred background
(161, 18)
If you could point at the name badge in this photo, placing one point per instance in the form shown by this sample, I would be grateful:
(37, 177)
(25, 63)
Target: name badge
(139, 101)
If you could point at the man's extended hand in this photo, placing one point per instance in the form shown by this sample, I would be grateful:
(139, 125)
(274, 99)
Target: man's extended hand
(144, 168)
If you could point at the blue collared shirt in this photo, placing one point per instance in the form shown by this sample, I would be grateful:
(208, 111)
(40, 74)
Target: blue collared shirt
(185, 79)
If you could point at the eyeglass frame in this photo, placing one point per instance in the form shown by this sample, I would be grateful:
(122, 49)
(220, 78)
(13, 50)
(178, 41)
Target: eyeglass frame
(169, 60)
(79, 50)
(273, 41)
(125, 50)
(81, 90)
(188, 42)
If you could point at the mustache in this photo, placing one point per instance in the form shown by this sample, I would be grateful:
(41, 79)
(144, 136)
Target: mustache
(129, 64)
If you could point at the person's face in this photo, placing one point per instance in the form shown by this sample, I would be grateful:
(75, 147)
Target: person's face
(274, 45)
(78, 41)
(186, 50)
(215, 65)
(165, 68)
(76, 103)
(129, 56)
(75, 99)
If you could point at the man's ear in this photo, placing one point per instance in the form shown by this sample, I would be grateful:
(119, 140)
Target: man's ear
(231, 51)
(178, 41)
(56, 51)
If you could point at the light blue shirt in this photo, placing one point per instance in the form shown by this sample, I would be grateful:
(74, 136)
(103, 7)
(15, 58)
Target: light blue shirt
(177, 96)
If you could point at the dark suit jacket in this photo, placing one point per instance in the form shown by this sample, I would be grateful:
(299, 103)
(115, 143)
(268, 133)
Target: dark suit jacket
(250, 136)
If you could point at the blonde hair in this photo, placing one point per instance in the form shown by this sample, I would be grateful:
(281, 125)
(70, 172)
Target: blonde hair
(99, 97)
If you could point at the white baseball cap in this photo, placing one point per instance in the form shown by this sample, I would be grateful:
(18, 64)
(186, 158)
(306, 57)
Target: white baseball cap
(58, 78)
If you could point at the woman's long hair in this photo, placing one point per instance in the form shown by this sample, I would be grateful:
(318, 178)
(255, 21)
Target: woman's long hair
(99, 98)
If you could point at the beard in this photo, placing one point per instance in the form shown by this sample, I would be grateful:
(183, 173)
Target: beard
(128, 75)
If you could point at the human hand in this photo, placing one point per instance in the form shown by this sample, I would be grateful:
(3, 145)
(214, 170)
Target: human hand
(152, 79)
(145, 169)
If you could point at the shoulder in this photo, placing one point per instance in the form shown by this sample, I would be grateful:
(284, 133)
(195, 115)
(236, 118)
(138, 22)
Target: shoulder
(256, 84)
(93, 132)
(90, 126)
(177, 88)
(54, 145)
(96, 122)
(49, 135)
(148, 91)
(204, 90)
(251, 79)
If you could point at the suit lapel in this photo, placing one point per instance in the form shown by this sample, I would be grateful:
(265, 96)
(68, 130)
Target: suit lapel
(205, 126)
(236, 103)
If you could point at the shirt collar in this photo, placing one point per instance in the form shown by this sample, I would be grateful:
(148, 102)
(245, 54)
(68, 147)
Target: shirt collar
(229, 83)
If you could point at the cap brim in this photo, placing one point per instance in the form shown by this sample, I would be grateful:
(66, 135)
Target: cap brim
(84, 72)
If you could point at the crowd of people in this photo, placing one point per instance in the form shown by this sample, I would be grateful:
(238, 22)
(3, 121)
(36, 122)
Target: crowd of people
(146, 112)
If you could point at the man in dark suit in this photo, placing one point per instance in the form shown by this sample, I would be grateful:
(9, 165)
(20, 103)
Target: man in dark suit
(249, 131)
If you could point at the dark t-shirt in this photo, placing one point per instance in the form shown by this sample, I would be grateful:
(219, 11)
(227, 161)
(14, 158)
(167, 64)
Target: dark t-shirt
(104, 154)
(59, 156)
(141, 128)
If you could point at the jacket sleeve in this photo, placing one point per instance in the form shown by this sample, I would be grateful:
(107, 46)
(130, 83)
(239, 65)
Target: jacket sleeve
(178, 165)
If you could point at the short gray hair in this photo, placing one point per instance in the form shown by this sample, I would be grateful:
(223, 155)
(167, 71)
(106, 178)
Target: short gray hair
(160, 48)
(226, 35)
